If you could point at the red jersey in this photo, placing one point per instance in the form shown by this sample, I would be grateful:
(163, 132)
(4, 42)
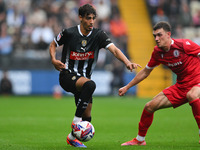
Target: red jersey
(182, 59)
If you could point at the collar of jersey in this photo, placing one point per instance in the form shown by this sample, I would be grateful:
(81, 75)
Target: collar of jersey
(79, 30)
(172, 42)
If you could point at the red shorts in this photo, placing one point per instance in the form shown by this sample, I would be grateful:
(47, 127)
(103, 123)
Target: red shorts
(177, 94)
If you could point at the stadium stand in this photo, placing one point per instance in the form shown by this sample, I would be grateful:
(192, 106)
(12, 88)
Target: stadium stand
(28, 26)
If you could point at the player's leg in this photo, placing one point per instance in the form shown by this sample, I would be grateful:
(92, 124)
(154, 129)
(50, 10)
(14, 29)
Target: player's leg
(70, 82)
(193, 97)
(158, 102)
(71, 139)
(85, 117)
(87, 114)
(86, 88)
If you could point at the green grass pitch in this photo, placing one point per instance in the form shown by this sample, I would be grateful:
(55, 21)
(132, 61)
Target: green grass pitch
(42, 123)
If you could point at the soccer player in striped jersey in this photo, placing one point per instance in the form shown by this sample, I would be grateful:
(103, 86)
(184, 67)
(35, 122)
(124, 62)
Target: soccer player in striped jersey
(182, 57)
(81, 45)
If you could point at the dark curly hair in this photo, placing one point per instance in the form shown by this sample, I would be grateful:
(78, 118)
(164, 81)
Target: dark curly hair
(86, 10)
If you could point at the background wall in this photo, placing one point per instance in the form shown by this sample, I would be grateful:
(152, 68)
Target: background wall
(43, 82)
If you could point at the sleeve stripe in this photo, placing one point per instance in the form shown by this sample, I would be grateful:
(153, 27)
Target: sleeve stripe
(56, 42)
(108, 45)
(150, 67)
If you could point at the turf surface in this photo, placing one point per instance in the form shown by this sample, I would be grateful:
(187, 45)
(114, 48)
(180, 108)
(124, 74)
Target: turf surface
(42, 123)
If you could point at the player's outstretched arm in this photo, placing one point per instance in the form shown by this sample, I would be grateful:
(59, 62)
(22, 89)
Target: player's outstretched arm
(138, 78)
(57, 63)
(119, 55)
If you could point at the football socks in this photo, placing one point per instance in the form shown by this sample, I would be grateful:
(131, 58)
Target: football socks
(85, 95)
(145, 122)
(87, 119)
(140, 138)
(195, 104)
(77, 119)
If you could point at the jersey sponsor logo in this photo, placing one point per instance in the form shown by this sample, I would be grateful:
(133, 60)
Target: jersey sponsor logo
(81, 56)
(176, 53)
(174, 64)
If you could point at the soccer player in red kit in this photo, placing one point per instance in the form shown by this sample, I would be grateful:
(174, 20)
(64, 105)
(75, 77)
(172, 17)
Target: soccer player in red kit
(182, 57)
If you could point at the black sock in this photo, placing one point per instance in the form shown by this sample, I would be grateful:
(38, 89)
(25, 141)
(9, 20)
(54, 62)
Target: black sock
(85, 95)
(87, 119)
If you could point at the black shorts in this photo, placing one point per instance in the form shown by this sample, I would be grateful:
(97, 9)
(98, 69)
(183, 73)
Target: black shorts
(68, 81)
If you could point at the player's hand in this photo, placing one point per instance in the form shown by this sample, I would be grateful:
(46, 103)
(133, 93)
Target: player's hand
(122, 91)
(58, 65)
(132, 66)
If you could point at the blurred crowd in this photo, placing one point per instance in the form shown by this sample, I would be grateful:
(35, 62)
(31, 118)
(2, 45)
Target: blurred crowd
(183, 15)
(28, 26)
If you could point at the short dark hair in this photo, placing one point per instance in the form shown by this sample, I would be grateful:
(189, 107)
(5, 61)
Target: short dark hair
(162, 24)
(86, 10)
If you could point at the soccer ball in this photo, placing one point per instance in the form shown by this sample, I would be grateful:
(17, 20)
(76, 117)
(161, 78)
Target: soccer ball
(84, 131)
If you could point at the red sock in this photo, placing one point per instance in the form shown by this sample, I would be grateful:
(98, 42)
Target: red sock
(195, 104)
(145, 122)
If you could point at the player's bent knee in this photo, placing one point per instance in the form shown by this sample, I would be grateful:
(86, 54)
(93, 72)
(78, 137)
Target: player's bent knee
(90, 86)
(149, 107)
(191, 96)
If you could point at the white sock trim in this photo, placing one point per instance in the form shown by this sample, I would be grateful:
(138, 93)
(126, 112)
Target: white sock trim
(77, 119)
(71, 137)
(140, 138)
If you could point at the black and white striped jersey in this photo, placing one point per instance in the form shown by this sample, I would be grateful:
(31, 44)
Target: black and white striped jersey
(80, 53)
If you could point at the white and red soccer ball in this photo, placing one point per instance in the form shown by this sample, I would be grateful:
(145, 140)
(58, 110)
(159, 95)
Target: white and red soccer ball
(84, 131)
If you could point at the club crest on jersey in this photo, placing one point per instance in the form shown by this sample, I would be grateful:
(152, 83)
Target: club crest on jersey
(84, 43)
(188, 43)
(176, 53)
(74, 78)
